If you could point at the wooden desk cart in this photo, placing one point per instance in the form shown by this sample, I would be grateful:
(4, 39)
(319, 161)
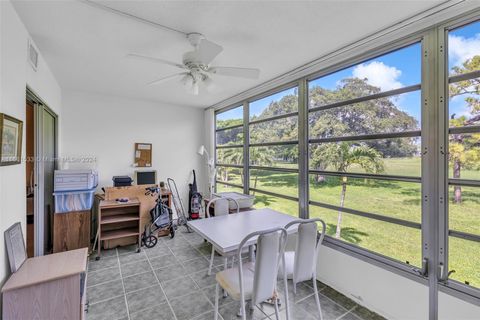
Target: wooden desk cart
(118, 220)
(48, 287)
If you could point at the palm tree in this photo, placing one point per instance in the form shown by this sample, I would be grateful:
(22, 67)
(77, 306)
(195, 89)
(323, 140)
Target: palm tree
(341, 157)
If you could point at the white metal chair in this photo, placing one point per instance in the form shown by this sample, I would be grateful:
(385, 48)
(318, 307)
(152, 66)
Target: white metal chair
(301, 264)
(255, 281)
(222, 208)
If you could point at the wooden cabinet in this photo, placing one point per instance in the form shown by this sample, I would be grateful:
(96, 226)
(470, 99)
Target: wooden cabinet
(71, 230)
(48, 287)
(117, 220)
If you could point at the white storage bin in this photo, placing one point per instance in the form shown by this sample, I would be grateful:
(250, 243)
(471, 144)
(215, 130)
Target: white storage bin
(244, 200)
(74, 180)
(68, 201)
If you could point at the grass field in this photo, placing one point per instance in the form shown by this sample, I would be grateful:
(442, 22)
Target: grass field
(390, 198)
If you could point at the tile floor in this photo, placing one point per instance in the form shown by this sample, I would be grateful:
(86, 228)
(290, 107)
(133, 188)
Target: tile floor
(170, 282)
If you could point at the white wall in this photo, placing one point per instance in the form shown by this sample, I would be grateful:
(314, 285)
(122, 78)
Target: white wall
(387, 293)
(15, 74)
(106, 127)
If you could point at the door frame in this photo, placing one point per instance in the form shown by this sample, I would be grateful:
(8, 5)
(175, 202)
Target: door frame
(39, 107)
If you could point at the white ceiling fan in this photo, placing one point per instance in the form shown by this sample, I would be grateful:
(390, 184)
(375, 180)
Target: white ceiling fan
(196, 65)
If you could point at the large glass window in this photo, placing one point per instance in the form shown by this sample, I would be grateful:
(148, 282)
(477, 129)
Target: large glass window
(274, 167)
(364, 146)
(229, 150)
(364, 154)
(464, 153)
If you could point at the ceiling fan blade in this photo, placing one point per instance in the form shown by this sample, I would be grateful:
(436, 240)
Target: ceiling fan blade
(152, 59)
(248, 73)
(207, 51)
(161, 80)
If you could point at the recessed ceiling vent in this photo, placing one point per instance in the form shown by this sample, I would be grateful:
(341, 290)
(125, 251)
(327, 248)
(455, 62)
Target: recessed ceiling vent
(32, 55)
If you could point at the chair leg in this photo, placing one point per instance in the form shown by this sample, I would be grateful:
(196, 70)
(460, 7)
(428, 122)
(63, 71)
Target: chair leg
(209, 272)
(242, 310)
(294, 288)
(233, 262)
(225, 266)
(217, 289)
(277, 313)
(317, 299)
(285, 284)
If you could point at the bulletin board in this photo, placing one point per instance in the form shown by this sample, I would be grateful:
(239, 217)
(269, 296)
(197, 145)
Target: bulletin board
(143, 154)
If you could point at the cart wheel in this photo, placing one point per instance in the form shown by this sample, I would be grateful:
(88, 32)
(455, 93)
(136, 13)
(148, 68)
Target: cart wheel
(172, 232)
(97, 258)
(150, 241)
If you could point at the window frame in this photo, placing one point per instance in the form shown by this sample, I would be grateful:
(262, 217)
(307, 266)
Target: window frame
(435, 182)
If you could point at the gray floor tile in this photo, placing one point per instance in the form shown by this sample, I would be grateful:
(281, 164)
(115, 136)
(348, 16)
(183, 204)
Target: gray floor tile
(105, 291)
(159, 250)
(296, 313)
(127, 249)
(351, 316)
(207, 316)
(103, 263)
(196, 265)
(189, 306)
(159, 312)
(179, 287)
(132, 257)
(330, 310)
(145, 299)
(103, 275)
(172, 272)
(135, 267)
(303, 291)
(111, 309)
(163, 261)
(210, 293)
(185, 254)
(203, 280)
(139, 281)
(230, 311)
(339, 298)
(107, 253)
(365, 314)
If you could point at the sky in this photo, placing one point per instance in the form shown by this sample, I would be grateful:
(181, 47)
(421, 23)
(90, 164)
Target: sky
(391, 71)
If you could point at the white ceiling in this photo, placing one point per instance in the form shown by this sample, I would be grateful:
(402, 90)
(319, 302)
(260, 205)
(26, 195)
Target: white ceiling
(85, 47)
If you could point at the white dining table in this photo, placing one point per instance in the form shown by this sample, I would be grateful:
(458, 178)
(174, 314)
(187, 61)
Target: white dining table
(226, 232)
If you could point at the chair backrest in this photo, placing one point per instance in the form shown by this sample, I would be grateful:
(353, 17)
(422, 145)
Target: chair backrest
(222, 206)
(270, 249)
(307, 248)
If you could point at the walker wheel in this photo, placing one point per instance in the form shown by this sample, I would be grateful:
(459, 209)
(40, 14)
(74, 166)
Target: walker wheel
(97, 258)
(150, 241)
(172, 232)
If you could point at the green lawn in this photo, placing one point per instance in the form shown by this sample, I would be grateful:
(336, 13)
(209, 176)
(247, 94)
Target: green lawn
(396, 199)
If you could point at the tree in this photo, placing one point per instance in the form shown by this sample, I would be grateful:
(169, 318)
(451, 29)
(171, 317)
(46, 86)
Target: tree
(341, 156)
(464, 148)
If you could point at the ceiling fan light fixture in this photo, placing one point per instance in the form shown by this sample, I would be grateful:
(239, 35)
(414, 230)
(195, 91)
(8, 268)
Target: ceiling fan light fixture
(209, 84)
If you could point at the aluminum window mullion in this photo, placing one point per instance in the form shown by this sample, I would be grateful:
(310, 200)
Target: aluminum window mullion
(464, 76)
(230, 146)
(404, 134)
(226, 165)
(277, 169)
(246, 149)
(229, 128)
(273, 144)
(278, 117)
(384, 94)
(367, 176)
(368, 215)
(464, 182)
(303, 180)
(466, 129)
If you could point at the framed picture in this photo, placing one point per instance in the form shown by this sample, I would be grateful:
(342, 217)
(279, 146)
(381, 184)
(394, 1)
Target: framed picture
(10, 140)
(15, 246)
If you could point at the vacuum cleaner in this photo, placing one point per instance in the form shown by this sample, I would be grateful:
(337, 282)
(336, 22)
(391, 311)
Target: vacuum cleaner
(195, 199)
